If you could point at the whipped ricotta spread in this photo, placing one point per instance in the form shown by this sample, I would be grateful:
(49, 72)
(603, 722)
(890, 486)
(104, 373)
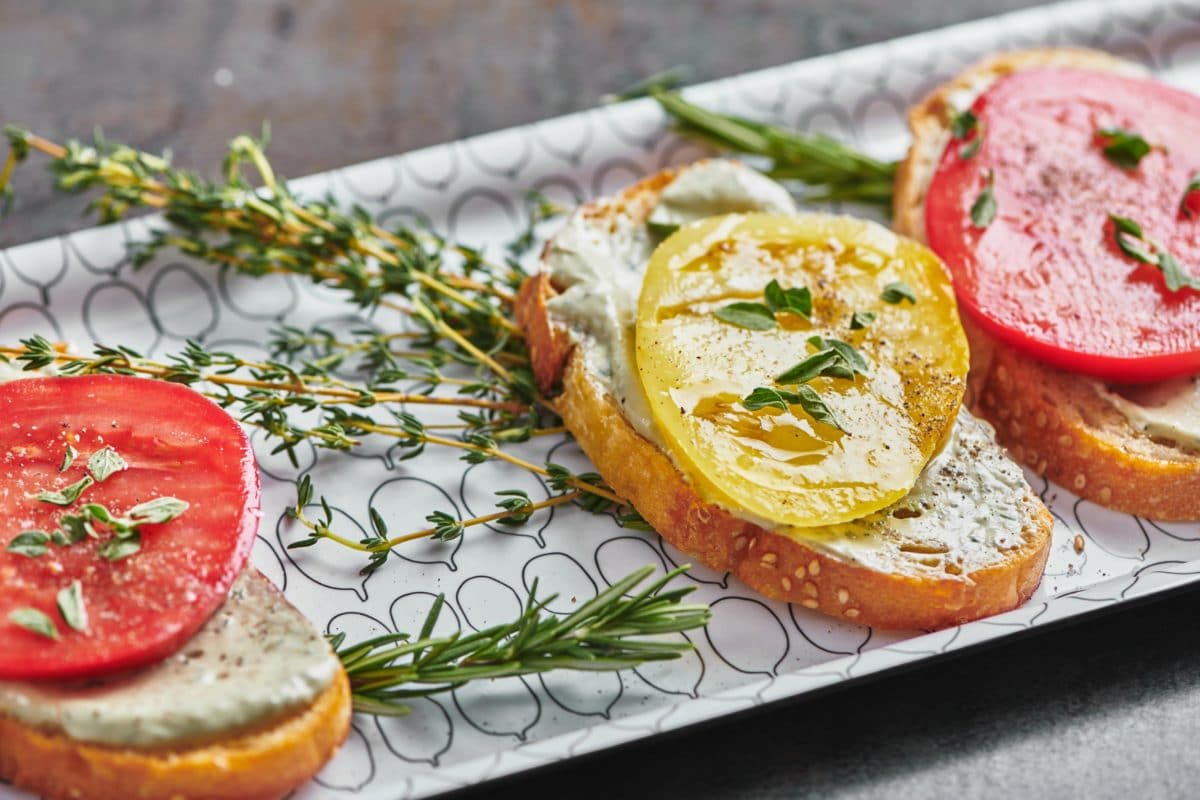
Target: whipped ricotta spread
(256, 659)
(598, 260)
(1164, 410)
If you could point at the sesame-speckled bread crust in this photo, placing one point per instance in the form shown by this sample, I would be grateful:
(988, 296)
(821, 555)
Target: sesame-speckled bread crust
(1053, 421)
(778, 566)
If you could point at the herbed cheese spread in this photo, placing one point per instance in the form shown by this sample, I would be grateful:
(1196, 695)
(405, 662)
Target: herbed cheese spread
(256, 659)
(1164, 410)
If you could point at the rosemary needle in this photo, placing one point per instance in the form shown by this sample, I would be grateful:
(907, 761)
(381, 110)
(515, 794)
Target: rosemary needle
(608, 632)
(833, 171)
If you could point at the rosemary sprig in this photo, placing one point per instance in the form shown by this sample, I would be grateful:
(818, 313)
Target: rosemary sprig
(832, 171)
(608, 632)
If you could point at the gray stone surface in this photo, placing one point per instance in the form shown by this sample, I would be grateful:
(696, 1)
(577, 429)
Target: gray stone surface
(1107, 708)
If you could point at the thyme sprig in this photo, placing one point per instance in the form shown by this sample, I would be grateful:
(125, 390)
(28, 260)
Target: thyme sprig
(333, 391)
(833, 171)
(450, 291)
(608, 632)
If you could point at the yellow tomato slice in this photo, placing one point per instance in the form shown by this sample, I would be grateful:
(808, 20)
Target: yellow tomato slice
(785, 467)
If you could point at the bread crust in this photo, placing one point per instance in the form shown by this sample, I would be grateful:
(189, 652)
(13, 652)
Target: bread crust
(775, 565)
(262, 763)
(1051, 420)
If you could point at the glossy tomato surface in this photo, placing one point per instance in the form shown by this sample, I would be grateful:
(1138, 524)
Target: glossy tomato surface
(144, 607)
(1046, 274)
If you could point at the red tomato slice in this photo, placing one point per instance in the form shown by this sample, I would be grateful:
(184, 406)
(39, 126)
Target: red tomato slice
(146, 606)
(1045, 275)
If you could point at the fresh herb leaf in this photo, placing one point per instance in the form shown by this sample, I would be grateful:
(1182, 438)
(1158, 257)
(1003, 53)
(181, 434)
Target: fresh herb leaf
(33, 620)
(815, 407)
(1124, 148)
(766, 397)
(633, 520)
(861, 319)
(795, 301)
(847, 351)
(446, 528)
(66, 496)
(964, 126)
(751, 316)
(832, 170)
(517, 503)
(663, 81)
(157, 511)
(121, 547)
(1173, 274)
(897, 291)
(73, 529)
(1132, 241)
(983, 210)
(68, 458)
(620, 628)
(70, 606)
(32, 544)
(828, 363)
(662, 229)
(104, 463)
(805, 396)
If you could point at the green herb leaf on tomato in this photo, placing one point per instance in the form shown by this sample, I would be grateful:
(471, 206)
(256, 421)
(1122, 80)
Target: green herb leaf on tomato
(751, 316)
(70, 606)
(68, 458)
(67, 496)
(35, 621)
(1132, 241)
(1173, 275)
(1124, 148)
(157, 511)
(121, 546)
(966, 127)
(104, 463)
(897, 291)
(983, 210)
(32, 544)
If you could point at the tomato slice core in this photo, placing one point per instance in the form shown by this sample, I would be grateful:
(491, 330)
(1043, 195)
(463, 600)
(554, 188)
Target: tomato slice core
(142, 608)
(1046, 275)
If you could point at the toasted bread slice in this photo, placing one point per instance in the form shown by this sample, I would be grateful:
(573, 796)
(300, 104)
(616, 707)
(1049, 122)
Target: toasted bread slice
(1055, 422)
(265, 761)
(922, 563)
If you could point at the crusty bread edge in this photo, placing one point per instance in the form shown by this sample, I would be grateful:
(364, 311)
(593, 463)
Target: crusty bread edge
(263, 763)
(777, 566)
(1050, 420)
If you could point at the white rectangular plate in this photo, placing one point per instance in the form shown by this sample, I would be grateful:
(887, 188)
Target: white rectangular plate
(81, 289)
